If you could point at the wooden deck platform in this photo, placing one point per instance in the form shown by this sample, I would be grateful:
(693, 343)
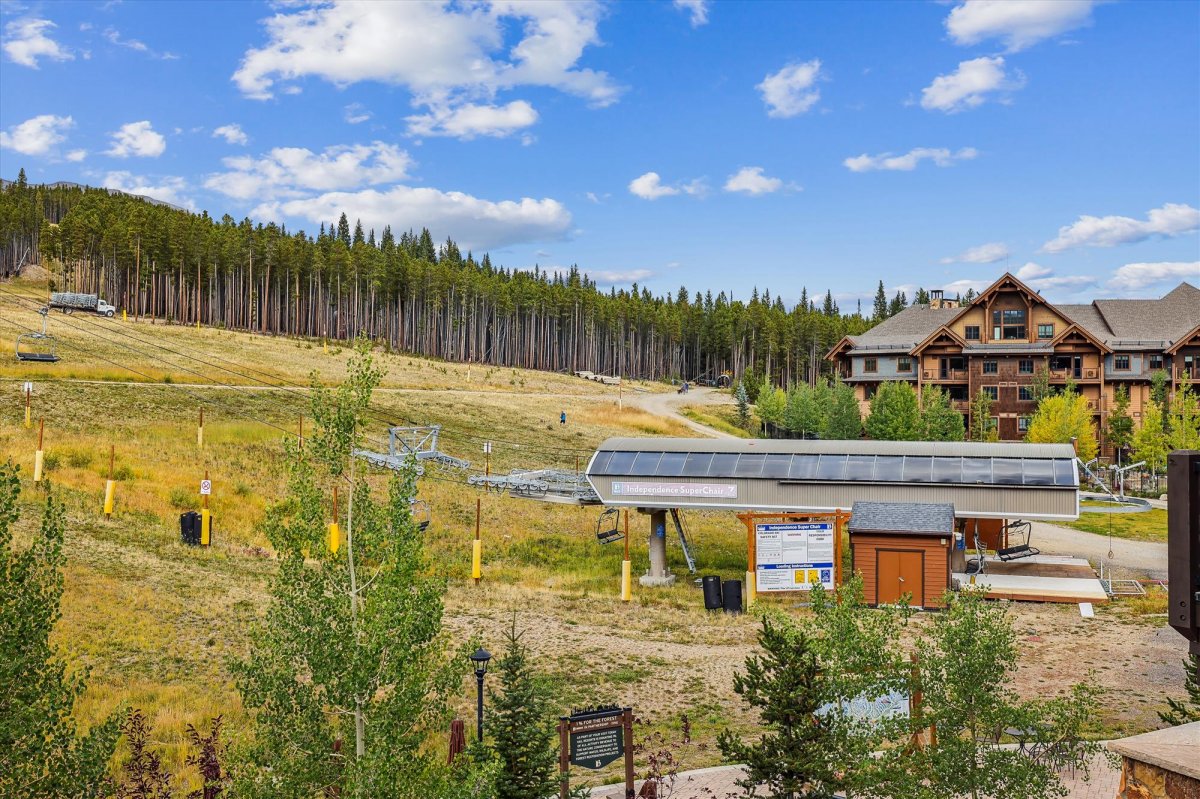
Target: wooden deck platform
(1041, 578)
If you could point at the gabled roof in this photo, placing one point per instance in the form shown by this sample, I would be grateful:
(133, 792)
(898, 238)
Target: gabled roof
(902, 517)
(1079, 329)
(904, 330)
(1130, 324)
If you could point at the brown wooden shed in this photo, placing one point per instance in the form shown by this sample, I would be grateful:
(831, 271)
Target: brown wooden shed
(902, 548)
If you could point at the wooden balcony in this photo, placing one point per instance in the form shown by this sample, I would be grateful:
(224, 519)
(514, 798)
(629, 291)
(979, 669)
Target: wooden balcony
(949, 376)
(1182, 372)
(1086, 373)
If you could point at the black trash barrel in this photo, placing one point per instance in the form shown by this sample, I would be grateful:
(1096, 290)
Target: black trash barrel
(712, 592)
(731, 596)
(189, 527)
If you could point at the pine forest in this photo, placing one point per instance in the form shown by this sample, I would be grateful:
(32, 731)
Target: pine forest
(159, 261)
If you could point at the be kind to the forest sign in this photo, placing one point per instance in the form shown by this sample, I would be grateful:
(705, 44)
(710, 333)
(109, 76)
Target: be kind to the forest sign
(592, 739)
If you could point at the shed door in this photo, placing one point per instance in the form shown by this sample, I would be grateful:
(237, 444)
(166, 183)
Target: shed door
(900, 572)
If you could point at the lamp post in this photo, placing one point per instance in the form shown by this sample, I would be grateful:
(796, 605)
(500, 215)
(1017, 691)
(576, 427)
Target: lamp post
(480, 659)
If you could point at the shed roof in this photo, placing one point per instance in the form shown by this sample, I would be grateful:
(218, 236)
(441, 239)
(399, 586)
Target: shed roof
(903, 517)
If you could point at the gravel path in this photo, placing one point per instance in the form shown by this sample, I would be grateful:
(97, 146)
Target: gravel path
(668, 405)
(1131, 559)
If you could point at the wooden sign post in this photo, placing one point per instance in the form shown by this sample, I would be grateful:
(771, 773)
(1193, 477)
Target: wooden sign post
(592, 739)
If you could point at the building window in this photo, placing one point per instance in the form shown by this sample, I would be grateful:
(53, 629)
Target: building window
(904, 364)
(1022, 424)
(972, 332)
(1025, 367)
(991, 367)
(1060, 363)
(869, 391)
(1025, 393)
(993, 392)
(1045, 331)
(1156, 361)
(1121, 363)
(870, 365)
(1008, 324)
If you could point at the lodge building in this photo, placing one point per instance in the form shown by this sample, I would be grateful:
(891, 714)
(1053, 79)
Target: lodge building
(1008, 332)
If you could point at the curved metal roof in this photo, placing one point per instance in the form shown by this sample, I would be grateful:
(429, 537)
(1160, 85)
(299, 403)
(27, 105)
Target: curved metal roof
(964, 449)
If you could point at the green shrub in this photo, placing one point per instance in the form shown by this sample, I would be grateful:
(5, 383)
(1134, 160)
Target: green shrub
(181, 498)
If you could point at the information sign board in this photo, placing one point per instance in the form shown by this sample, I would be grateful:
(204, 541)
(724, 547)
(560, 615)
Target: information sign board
(205, 487)
(597, 741)
(635, 488)
(794, 556)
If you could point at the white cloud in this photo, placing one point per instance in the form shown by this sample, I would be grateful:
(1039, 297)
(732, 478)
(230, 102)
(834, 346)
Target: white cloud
(791, 91)
(474, 223)
(969, 85)
(697, 10)
(751, 180)
(650, 187)
(114, 36)
(137, 138)
(231, 133)
(1132, 277)
(614, 276)
(444, 53)
(470, 120)
(988, 253)
(37, 135)
(1172, 219)
(940, 156)
(356, 113)
(167, 188)
(76, 155)
(1018, 23)
(1043, 278)
(290, 172)
(962, 286)
(26, 40)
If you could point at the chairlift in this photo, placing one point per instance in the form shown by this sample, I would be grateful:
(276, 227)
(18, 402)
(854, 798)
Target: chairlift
(38, 347)
(607, 530)
(421, 514)
(1021, 531)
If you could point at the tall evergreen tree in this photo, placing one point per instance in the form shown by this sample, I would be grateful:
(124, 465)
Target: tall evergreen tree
(524, 738)
(742, 398)
(881, 304)
(42, 753)
(791, 759)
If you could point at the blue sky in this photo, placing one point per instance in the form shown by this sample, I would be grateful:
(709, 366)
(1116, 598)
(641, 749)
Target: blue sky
(716, 145)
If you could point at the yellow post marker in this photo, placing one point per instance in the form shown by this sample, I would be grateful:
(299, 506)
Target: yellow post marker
(28, 405)
(200, 431)
(110, 485)
(477, 548)
(205, 515)
(124, 315)
(626, 567)
(335, 532)
(37, 456)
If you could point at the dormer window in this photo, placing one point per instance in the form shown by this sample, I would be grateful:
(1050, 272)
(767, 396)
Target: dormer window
(972, 332)
(1008, 324)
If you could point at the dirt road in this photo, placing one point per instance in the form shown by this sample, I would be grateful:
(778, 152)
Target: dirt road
(669, 404)
(1131, 559)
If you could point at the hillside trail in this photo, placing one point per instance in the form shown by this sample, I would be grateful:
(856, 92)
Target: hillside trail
(669, 404)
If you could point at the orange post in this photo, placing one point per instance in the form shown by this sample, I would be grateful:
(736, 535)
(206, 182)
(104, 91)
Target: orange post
(205, 518)
(335, 532)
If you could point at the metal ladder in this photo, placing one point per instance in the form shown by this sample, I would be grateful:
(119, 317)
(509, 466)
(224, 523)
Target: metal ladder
(683, 539)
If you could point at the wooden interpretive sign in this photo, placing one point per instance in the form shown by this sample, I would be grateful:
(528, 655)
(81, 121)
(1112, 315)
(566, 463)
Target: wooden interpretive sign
(594, 738)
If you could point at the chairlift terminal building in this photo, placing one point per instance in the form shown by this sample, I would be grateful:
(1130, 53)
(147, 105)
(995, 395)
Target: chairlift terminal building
(981, 480)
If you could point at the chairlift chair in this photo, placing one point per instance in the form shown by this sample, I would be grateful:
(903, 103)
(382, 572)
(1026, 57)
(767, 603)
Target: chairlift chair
(421, 514)
(1021, 549)
(38, 347)
(607, 530)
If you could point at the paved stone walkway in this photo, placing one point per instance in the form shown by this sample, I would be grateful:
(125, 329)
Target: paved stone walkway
(718, 783)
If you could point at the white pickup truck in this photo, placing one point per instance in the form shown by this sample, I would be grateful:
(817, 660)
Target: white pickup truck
(68, 301)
